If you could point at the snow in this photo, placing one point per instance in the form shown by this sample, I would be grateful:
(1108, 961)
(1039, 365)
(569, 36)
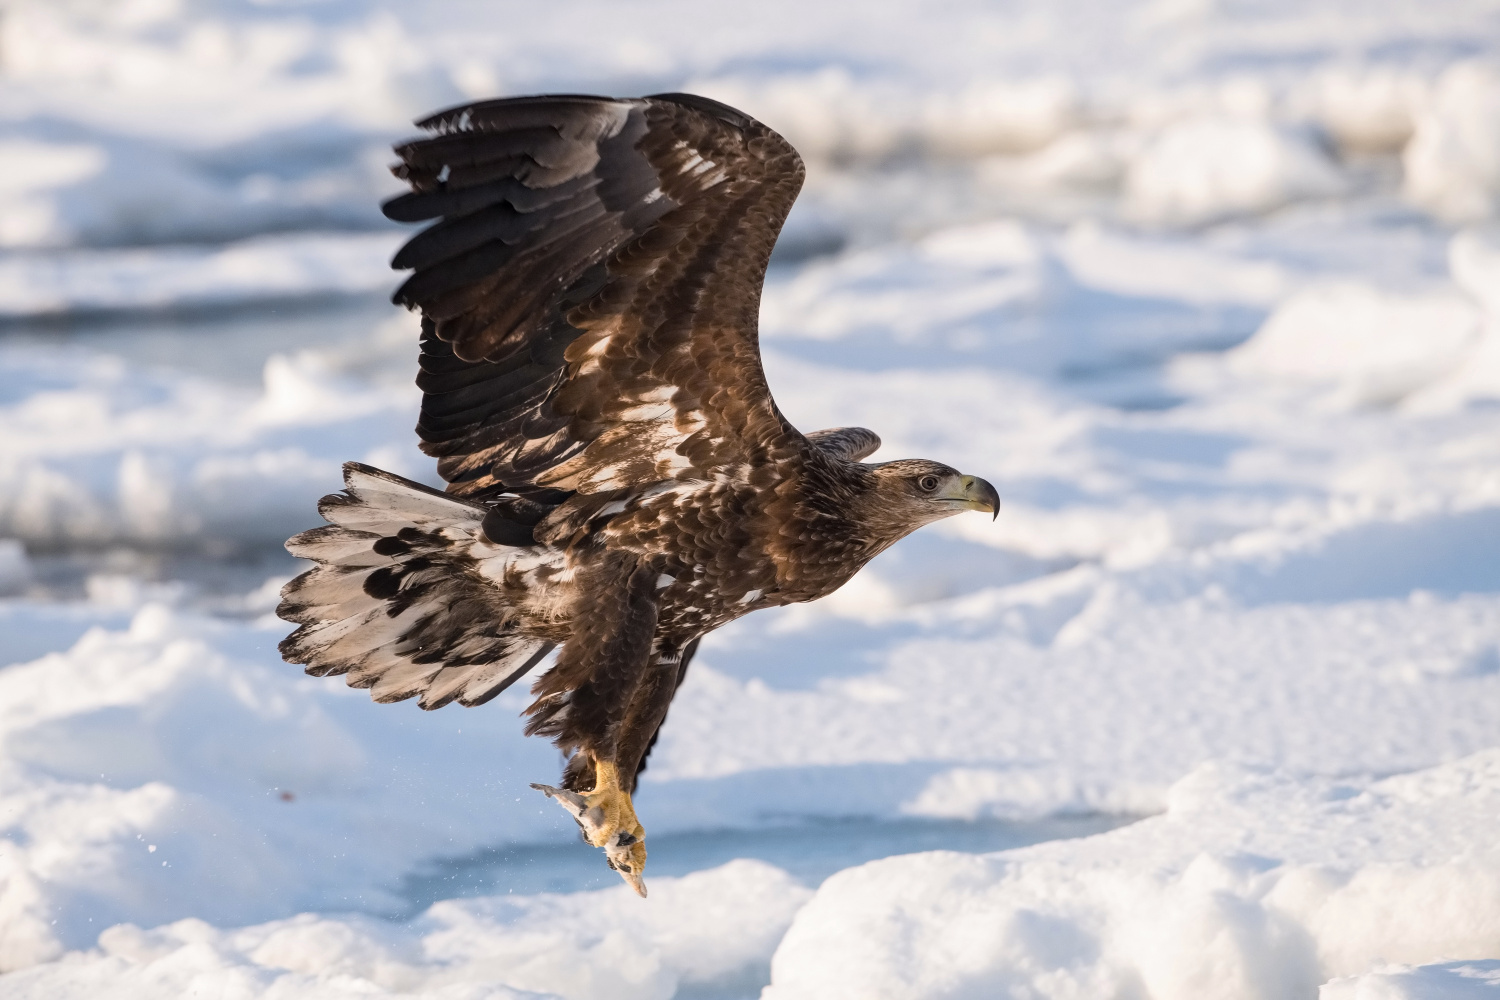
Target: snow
(108, 191)
(1200, 170)
(1453, 161)
(1252, 884)
(301, 265)
(1369, 109)
(1084, 723)
(1375, 347)
(1475, 262)
(94, 449)
(1208, 290)
(709, 929)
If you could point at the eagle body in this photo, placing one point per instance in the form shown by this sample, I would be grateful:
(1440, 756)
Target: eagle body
(620, 480)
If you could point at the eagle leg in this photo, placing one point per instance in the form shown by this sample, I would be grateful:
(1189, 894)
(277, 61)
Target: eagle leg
(607, 818)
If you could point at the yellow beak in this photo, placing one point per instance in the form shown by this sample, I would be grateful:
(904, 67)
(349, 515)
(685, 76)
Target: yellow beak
(973, 493)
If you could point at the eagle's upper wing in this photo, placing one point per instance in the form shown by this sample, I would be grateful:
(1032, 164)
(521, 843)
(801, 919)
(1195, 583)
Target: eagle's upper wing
(591, 293)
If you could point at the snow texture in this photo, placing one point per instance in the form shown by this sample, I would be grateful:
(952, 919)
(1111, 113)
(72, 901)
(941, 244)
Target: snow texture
(1252, 885)
(703, 930)
(1210, 290)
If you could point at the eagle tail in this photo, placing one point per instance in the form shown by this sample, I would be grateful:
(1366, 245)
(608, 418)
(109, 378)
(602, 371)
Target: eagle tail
(396, 602)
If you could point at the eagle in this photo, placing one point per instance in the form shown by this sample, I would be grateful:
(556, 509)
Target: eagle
(620, 481)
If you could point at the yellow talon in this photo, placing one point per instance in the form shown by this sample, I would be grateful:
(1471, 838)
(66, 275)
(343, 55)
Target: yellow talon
(607, 818)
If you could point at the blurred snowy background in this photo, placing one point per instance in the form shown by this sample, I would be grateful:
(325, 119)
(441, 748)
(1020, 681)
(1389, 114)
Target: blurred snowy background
(1210, 289)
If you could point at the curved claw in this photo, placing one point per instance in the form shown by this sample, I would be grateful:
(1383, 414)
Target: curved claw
(626, 854)
(607, 818)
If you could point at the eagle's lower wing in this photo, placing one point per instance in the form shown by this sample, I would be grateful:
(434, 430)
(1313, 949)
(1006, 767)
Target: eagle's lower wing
(591, 293)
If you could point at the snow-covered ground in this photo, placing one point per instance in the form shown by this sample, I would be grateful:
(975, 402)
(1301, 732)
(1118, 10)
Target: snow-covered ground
(1210, 290)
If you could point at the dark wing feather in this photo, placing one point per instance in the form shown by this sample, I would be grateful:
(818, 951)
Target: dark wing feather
(590, 293)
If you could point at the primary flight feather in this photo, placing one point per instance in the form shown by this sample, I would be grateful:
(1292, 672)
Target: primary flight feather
(620, 481)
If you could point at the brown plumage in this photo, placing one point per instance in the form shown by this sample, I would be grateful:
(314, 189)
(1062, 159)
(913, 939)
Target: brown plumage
(620, 481)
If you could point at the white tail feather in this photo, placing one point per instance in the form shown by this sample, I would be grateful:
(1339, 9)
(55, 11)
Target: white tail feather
(397, 577)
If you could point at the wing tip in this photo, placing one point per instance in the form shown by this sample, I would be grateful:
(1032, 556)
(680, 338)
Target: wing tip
(462, 116)
(709, 106)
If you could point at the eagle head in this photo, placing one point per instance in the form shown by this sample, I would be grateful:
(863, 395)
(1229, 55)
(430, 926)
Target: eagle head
(911, 492)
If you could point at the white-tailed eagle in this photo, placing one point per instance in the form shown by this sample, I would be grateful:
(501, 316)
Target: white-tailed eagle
(620, 481)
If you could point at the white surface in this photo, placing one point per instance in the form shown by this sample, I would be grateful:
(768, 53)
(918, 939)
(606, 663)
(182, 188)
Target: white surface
(1253, 885)
(710, 929)
(170, 121)
(1202, 170)
(97, 450)
(259, 268)
(1453, 161)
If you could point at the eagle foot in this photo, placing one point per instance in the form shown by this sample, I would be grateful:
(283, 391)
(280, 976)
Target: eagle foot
(607, 818)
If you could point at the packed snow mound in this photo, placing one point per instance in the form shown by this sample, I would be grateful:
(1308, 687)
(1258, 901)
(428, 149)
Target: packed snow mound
(713, 928)
(1439, 981)
(1453, 161)
(1474, 259)
(178, 769)
(1201, 170)
(1375, 347)
(1368, 109)
(1254, 885)
(1427, 350)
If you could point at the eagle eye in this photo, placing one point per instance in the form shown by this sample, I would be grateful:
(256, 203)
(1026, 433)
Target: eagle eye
(928, 483)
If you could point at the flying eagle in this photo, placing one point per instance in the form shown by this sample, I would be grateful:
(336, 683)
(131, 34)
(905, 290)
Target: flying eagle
(620, 481)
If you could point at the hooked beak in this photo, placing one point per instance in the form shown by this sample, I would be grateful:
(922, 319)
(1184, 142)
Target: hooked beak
(973, 493)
